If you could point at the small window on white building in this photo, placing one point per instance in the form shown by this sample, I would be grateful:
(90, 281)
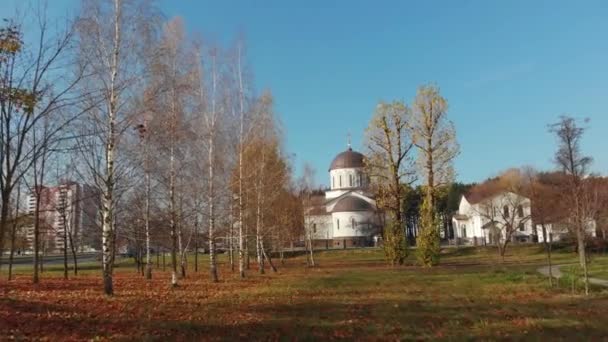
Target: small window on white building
(350, 180)
(314, 228)
(340, 180)
(337, 223)
(463, 230)
(522, 227)
(505, 211)
(353, 223)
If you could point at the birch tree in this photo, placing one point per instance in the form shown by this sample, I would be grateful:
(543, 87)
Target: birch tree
(173, 84)
(111, 34)
(211, 125)
(243, 133)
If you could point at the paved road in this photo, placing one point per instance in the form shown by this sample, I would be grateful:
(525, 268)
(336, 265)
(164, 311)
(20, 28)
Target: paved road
(56, 259)
(557, 273)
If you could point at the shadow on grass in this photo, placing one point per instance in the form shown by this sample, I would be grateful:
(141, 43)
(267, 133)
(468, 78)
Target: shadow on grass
(392, 320)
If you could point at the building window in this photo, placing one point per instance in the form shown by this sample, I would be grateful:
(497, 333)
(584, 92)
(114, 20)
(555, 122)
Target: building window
(333, 182)
(353, 223)
(521, 227)
(337, 223)
(505, 211)
(463, 229)
(520, 211)
(359, 180)
(340, 180)
(350, 180)
(314, 228)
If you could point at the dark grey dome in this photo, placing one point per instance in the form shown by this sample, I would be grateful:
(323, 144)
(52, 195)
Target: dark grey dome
(352, 203)
(347, 159)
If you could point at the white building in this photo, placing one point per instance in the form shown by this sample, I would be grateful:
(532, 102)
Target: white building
(346, 215)
(560, 231)
(486, 219)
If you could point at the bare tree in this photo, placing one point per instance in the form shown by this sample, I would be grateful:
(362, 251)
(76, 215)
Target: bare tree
(570, 159)
(33, 87)
(306, 186)
(111, 35)
(243, 133)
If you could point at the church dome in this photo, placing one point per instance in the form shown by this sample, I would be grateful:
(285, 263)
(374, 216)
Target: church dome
(347, 159)
(352, 203)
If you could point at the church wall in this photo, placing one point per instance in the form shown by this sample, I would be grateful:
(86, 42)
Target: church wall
(358, 178)
(320, 226)
(364, 221)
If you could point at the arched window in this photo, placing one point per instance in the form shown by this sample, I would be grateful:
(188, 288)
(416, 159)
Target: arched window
(337, 223)
(520, 211)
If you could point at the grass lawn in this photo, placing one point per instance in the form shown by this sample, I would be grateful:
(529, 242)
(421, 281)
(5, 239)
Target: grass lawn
(351, 295)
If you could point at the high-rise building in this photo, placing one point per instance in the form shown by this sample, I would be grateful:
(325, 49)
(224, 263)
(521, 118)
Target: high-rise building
(67, 208)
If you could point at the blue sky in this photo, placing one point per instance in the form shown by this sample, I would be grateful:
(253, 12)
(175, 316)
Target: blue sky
(507, 68)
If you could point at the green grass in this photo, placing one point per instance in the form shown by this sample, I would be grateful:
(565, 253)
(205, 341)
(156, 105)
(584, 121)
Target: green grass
(352, 294)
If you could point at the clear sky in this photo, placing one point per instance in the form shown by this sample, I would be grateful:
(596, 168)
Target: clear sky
(507, 68)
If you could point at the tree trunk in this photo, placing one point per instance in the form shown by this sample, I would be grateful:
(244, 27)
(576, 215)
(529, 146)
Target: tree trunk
(196, 242)
(65, 252)
(6, 193)
(12, 252)
(258, 242)
(312, 250)
(212, 261)
(274, 269)
(36, 243)
(182, 252)
(147, 211)
(580, 234)
(13, 235)
(172, 205)
(547, 244)
(242, 241)
(73, 249)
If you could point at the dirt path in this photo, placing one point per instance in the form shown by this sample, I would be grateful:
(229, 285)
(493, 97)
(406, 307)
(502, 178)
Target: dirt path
(557, 273)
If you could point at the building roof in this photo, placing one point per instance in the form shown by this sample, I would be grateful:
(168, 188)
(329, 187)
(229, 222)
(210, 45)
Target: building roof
(347, 159)
(315, 205)
(352, 203)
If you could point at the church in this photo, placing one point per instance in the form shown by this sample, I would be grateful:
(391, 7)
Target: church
(346, 215)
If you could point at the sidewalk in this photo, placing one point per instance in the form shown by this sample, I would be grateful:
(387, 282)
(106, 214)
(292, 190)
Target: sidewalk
(557, 273)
